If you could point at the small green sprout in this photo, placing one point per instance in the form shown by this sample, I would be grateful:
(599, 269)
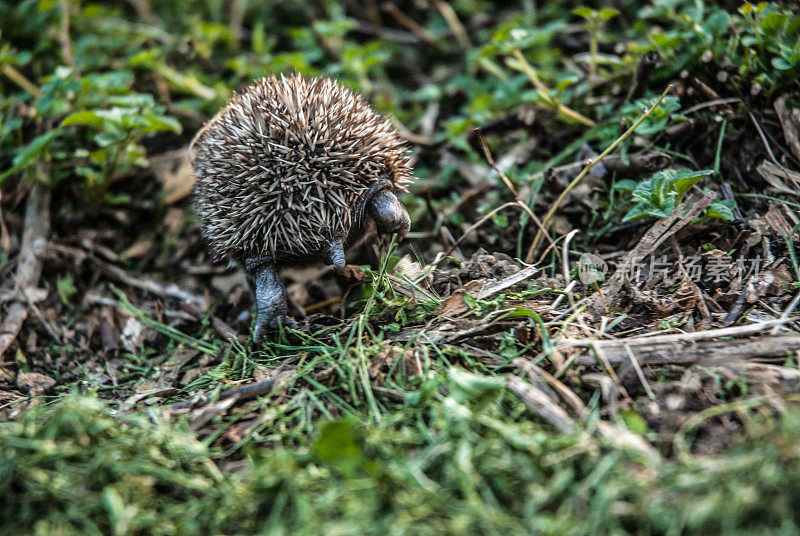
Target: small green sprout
(660, 194)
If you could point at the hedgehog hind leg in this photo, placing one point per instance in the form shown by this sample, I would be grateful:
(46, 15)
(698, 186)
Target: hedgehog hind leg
(389, 214)
(270, 295)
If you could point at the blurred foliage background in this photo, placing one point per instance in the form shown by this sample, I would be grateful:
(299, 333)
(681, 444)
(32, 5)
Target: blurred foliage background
(91, 88)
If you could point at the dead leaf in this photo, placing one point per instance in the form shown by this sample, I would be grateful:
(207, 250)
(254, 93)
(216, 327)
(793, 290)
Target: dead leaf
(204, 414)
(154, 392)
(174, 219)
(790, 121)
(261, 373)
(237, 433)
(192, 374)
(408, 280)
(385, 359)
(34, 383)
(777, 222)
(780, 178)
(455, 305)
(349, 275)
(108, 331)
(177, 184)
(139, 249)
(132, 335)
(783, 278)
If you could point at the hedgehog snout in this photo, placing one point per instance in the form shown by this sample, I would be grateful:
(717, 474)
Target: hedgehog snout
(389, 214)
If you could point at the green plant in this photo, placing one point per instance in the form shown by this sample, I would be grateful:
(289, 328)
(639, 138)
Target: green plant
(120, 127)
(771, 33)
(103, 102)
(660, 194)
(760, 41)
(595, 20)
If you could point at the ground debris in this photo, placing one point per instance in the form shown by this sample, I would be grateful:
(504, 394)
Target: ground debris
(34, 383)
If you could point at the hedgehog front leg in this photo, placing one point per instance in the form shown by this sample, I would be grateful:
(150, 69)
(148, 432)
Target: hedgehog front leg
(335, 253)
(270, 297)
(389, 213)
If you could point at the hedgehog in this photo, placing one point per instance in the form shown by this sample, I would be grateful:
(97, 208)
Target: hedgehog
(292, 171)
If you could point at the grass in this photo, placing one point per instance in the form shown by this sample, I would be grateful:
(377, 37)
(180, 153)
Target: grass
(466, 458)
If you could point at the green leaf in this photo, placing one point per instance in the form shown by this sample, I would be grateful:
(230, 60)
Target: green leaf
(659, 195)
(625, 185)
(722, 209)
(793, 26)
(658, 119)
(717, 23)
(683, 179)
(634, 422)
(159, 123)
(66, 289)
(774, 22)
(469, 386)
(583, 11)
(781, 64)
(337, 445)
(28, 154)
(519, 312)
(564, 84)
(133, 100)
(607, 12)
(500, 220)
(661, 190)
(85, 117)
(635, 213)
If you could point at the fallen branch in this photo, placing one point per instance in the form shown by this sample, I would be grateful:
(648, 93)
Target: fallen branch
(650, 340)
(94, 299)
(499, 286)
(29, 267)
(687, 352)
(194, 302)
(245, 392)
(538, 402)
(537, 373)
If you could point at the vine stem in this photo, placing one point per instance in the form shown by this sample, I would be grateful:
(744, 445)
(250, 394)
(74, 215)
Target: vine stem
(544, 91)
(585, 171)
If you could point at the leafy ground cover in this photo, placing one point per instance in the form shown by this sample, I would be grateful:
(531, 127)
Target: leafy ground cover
(591, 328)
